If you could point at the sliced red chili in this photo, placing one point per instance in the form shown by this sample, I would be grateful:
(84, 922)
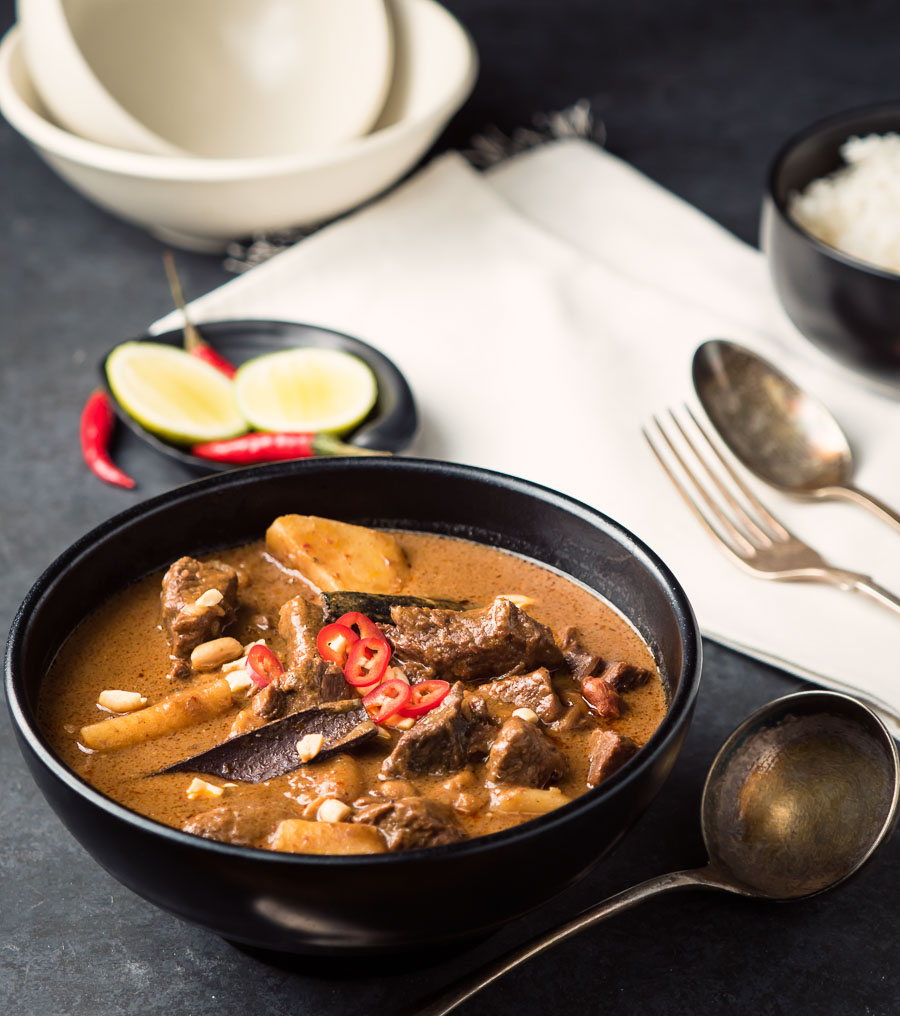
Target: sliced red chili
(387, 699)
(359, 622)
(367, 662)
(424, 696)
(264, 666)
(334, 642)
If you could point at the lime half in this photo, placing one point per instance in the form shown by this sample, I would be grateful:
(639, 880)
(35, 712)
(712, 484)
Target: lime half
(308, 389)
(173, 394)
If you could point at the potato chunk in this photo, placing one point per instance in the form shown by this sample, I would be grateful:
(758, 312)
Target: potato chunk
(181, 709)
(527, 800)
(336, 555)
(297, 836)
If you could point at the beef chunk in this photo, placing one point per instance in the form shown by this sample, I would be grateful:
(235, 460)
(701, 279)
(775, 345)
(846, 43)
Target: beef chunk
(482, 727)
(580, 662)
(522, 755)
(443, 741)
(412, 822)
(621, 676)
(247, 823)
(530, 691)
(609, 751)
(603, 699)
(473, 645)
(313, 679)
(269, 703)
(188, 624)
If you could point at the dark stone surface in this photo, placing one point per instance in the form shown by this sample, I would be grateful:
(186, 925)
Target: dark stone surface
(698, 95)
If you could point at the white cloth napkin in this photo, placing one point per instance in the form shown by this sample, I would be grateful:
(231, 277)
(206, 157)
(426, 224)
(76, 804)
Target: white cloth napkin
(542, 312)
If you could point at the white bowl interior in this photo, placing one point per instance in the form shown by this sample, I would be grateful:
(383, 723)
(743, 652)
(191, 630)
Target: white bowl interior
(70, 88)
(237, 78)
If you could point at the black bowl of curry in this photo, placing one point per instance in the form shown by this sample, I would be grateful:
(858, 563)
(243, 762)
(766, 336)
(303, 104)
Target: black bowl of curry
(434, 677)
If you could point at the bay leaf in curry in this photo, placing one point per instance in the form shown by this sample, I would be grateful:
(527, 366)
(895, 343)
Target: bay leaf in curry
(272, 751)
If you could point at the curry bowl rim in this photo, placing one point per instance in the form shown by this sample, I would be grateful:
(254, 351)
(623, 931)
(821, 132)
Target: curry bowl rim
(678, 709)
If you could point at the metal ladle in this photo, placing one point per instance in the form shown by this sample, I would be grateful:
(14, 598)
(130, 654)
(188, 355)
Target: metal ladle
(798, 798)
(778, 431)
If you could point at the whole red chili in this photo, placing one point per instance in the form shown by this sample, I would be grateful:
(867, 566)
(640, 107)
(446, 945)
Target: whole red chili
(97, 423)
(275, 446)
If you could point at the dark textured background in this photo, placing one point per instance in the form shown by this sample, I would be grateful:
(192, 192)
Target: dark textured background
(697, 94)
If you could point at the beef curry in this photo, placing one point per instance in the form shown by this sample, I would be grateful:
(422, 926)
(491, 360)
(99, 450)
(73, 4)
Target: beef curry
(335, 689)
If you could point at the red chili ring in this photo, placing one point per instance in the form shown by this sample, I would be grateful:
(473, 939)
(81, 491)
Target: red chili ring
(365, 625)
(387, 699)
(367, 661)
(425, 696)
(334, 643)
(264, 665)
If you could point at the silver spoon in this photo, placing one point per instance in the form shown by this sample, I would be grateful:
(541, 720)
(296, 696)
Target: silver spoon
(779, 432)
(798, 798)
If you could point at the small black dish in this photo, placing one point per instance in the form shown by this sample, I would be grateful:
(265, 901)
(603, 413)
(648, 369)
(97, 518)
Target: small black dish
(379, 903)
(389, 427)
(846, 307)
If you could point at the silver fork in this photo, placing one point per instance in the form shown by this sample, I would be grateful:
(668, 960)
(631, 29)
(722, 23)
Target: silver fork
(741, 527)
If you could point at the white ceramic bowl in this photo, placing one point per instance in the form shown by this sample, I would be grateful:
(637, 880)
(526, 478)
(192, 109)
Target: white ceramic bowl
(70, 89)
(217, 78)
(201, 204)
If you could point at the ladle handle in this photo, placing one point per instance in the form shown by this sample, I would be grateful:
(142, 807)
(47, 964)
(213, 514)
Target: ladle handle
(471, 985)
(864, 500)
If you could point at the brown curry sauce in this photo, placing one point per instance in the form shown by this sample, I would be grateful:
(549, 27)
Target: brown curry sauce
(122, 645)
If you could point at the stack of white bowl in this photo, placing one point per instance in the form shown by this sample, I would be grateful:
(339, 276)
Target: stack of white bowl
(210, 120)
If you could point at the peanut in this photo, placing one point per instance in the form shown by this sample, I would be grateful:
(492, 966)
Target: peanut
(121, 701)
(240, 683)
(332, 810)
(526, 714)
(211, 655)
(309, 746)
(200, 788)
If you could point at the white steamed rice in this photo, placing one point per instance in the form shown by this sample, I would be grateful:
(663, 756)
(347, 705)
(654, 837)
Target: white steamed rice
(857, 208)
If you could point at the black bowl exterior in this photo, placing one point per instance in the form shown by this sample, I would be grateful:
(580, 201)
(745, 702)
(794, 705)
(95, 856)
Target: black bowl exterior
(390, 425)
(849, 309)
(297, 903)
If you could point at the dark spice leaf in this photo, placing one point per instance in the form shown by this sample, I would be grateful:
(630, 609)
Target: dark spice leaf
(377, 606)
(271, 750)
